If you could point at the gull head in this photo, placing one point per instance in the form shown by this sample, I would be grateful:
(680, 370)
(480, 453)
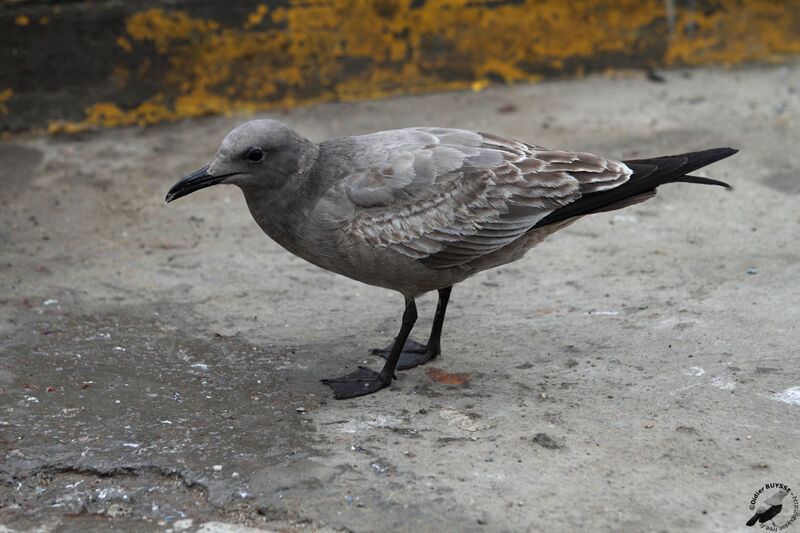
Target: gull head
(260, 154)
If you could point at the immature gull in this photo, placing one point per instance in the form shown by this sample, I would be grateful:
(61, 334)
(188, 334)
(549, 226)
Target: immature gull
(420, 209)
(769, 509)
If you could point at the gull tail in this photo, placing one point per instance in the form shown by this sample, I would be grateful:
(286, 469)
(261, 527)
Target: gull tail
(648, 174)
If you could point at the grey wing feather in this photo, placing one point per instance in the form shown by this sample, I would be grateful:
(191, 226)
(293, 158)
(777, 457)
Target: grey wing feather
(447, 197)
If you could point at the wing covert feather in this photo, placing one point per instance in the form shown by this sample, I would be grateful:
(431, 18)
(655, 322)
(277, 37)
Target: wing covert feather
(448, 197)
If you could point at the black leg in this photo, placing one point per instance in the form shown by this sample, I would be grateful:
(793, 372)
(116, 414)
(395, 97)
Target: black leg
(365, 380)
(415, 353)
(434, 341)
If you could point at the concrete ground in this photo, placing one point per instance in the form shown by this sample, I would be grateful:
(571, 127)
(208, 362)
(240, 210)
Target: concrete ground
(639, 371)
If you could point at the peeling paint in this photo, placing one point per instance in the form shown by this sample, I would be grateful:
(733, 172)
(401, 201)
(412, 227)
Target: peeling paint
(5, 95)
(255, 18)
(755, 30)
(163, 28)
(279, 55)
(124, 43)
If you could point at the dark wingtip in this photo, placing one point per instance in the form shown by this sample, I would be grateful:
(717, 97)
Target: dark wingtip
(722, 153)
(704, 181)
(676, 168)
(715, 153)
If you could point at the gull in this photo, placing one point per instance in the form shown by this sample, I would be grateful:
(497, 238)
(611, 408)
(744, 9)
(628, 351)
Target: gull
(421, 209)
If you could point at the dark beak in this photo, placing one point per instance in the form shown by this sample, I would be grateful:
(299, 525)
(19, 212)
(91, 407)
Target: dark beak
(194, 182)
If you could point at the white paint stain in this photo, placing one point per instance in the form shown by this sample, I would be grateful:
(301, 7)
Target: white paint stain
(790, 396)
(723, 384)
(182, 525)
(456, 418)
(695, 371)
(380, 421)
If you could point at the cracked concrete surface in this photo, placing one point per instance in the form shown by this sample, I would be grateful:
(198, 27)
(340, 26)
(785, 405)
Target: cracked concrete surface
(160, 364)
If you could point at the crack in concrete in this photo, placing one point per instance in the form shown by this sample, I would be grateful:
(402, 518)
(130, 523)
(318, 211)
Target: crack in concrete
(125, 501)
(129, 471)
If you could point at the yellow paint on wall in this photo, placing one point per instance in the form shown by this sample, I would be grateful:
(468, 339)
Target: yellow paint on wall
(5, 95)
(163, 28)
(759, 31)
(124, 43)
(321, 50)
(255, 18)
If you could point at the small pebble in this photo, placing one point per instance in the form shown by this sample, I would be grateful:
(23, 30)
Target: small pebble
(217, 468)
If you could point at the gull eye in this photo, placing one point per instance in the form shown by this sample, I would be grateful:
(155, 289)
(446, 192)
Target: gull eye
(255, 155)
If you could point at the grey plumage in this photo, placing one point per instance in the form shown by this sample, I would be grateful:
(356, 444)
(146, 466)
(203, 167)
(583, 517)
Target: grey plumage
(420, 209)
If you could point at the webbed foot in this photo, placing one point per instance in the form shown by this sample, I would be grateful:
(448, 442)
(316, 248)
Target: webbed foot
(362, 381)
(414, 354)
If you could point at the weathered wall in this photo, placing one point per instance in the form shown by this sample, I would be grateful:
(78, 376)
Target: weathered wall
(67, 66)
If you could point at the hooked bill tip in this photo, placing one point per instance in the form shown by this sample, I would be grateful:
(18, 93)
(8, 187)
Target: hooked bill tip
(195, 181)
